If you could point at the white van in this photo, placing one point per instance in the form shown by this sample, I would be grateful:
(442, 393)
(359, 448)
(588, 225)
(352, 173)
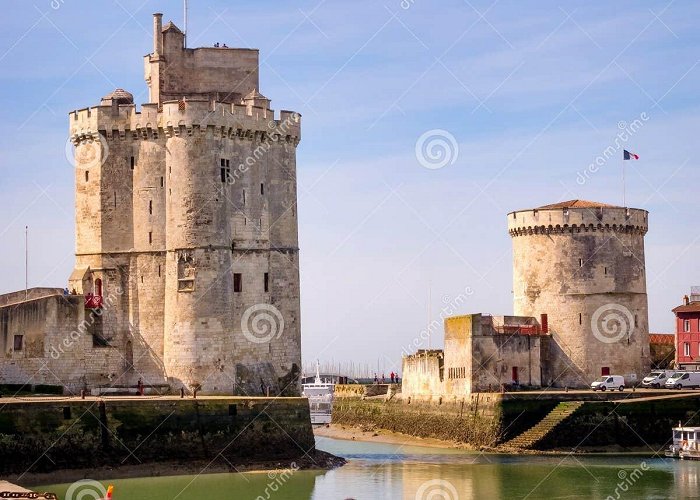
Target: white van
(611, 382)
(683, 380)
(657, 378)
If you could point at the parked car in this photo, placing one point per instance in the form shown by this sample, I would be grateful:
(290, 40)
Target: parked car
(657, 378)
(611, 382)
(683, 380)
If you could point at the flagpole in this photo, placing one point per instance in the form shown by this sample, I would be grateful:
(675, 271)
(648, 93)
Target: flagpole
(623, 182)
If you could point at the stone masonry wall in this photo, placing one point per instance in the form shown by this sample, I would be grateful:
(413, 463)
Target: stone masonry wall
(39, 436)
(58, 345)
(423, 374)
(584, 268)
(176, 200)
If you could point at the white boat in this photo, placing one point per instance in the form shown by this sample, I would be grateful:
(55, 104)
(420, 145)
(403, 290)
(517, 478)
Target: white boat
(686, 443)
(320, 396)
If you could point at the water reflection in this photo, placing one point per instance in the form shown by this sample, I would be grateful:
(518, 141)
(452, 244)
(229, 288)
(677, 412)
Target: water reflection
(382, 471)
(685, 474)
(389, 471)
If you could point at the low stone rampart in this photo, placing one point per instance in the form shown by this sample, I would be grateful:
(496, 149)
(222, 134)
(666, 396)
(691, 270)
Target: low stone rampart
(44, 435)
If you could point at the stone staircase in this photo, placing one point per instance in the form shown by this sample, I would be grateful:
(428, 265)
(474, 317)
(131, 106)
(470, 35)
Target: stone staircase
(529, 438)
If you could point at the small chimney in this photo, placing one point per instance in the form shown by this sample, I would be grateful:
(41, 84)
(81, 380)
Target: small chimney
(686, 300)
(157, 33)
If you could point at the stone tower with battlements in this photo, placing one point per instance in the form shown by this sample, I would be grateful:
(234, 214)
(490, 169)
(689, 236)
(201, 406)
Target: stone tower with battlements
(582, 265)
(186, 216)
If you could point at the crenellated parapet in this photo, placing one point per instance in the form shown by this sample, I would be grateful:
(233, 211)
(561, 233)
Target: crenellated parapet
(577, 220)
(185, 118)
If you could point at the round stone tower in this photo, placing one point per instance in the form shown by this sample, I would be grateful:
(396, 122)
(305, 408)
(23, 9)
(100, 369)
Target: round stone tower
(581, 264)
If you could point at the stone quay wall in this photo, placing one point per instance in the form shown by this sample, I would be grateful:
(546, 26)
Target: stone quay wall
(486, 420)
(475, 422)
(46, 435)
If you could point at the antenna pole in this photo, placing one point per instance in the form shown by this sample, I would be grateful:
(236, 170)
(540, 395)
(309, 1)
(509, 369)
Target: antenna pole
(185, 23)
(430, 310)
(26, 262)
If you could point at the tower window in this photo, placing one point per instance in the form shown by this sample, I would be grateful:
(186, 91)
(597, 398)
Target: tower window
(159, 270)
(150, 206)
(244, 196)
(266, 282)
(162, 181)
(686, 347)
(87, 176)
(133, 162)
(225, 170)
(606, 270)
(262, 188)
(686, 325)
(580, 318)
(237, 282)
(580, 263)
(19, 342)
(150, 237)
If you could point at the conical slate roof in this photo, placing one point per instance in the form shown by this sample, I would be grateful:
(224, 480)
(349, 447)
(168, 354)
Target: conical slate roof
(121, 96)
(577, 204)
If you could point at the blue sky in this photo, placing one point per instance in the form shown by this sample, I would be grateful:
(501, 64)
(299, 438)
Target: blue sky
(531, 93)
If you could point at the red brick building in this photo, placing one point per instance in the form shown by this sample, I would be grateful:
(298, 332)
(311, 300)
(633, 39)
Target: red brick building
(688, 331)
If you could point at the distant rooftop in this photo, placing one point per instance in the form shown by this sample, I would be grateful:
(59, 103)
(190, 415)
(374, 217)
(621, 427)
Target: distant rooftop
(171, 26)
(662, 338)
(578, 204)
(687, 308)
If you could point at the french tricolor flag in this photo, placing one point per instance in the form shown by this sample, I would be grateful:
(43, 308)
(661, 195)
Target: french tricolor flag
(630, 156)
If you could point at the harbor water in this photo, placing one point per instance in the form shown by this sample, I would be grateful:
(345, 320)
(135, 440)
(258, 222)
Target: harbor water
(378, 471)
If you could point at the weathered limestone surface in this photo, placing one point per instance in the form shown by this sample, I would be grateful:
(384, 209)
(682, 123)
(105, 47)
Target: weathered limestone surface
(423, 373)
(57, 346)
(584, 268)
(173, 202)
(480, 355)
